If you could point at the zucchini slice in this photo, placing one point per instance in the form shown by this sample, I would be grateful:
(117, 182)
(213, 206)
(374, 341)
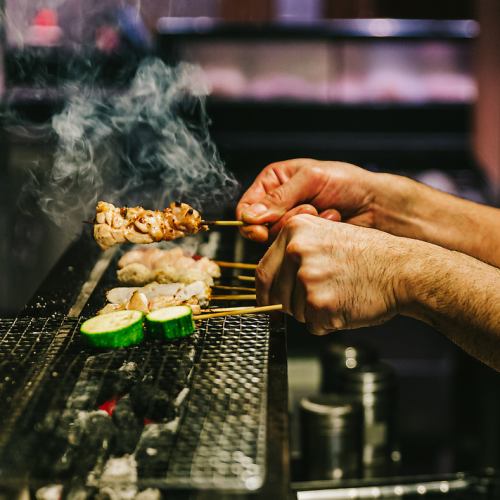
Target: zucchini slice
(114, 329)
(171, 322)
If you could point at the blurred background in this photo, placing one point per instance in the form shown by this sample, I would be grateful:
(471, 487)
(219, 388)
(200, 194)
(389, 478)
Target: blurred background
(405, 87)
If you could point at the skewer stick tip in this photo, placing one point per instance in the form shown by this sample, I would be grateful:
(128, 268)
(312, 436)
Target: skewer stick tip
(249, 310)
(223, 222)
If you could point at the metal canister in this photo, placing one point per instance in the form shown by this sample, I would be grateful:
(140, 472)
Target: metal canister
(373, 385)
(331, 437)
(337, 357)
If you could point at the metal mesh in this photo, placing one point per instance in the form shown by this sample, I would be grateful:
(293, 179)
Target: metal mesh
(190, 413)
(222, 440)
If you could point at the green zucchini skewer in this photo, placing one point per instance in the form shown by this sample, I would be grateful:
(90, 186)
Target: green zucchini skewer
(114, 329)
(171, 322)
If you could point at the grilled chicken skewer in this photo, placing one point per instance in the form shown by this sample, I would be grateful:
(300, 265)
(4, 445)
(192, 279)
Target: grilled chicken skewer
(115, 225)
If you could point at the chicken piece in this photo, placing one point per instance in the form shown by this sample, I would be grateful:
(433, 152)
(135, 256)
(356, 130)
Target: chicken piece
(171, 258)
(161, 301)
(156, 295)
(198, 289)
(138, 302)
(167, 274)
(120, 295)
(161, 290)
(135, 274)
(209, 266)
(137, 225)
(145, 255)
(111, 308)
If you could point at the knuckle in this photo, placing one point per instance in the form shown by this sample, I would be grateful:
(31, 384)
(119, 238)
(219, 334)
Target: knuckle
(307, 275)
(303, 275)
(296, 222)
(315, 173)
(310, 274)
(294, 249)
(317, 302)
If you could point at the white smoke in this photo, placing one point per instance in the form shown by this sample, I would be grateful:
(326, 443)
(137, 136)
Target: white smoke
(147, 145)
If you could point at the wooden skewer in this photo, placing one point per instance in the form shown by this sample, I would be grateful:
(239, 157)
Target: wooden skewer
(249, 310)
(238, 288)
(221, 309)
(235, 265)
(241, 277)
(223, 222)
(234, 297)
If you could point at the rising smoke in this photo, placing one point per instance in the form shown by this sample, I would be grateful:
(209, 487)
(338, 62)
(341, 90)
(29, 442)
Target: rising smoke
(147, 145)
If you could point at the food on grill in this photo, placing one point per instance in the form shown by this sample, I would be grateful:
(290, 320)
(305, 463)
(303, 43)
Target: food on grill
(142, 266)
(115, 225)
(138, 302)
(136, 274)
(114, 329)
(171, 322)
(157, 296)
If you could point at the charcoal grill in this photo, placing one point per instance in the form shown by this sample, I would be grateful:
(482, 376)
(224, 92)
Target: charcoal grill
(197, 415)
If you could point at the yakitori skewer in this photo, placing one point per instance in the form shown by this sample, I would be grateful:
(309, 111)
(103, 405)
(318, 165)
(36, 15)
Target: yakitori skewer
(221, 309)
(235, 265)
(223, 222)
(234, 297)
(235, 288)
(242, 277)
(249, 310)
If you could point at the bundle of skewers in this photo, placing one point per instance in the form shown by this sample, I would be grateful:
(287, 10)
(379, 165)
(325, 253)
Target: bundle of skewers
(167, 288)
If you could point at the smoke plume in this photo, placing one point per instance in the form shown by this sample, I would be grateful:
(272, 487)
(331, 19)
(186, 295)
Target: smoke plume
(148, 144)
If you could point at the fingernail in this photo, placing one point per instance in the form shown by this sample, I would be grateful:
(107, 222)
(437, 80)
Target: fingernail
(255, 210)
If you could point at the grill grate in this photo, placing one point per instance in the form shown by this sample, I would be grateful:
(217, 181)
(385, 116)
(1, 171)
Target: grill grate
(222, 441)
(190, 413)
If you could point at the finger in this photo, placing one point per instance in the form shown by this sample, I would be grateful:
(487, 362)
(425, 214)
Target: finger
(284, 282)
(316, 330)
(331, 214)
(301, 187)
(299, 301)
(271, 177)
(315, 317)
(283, 285)
(256, 233)
(268, 268)
(301, 209)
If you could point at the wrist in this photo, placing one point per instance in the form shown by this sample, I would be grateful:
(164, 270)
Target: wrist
(395, 204)
(424, 269)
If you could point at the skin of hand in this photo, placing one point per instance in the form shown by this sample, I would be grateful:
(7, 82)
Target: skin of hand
(391, 203)
(335, 276)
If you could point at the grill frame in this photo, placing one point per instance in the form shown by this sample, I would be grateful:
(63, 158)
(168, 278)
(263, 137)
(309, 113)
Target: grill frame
(60, 290)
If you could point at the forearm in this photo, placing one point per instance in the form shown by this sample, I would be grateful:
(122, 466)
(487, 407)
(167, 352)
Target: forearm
(458, 295)
(408, 208)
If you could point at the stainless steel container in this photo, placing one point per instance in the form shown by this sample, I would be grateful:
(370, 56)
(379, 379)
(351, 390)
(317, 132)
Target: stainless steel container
(337, 357)
(373, 385)
(331, 436)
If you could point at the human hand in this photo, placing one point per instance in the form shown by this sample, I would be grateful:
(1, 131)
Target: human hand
(332, 190)
(334, 276)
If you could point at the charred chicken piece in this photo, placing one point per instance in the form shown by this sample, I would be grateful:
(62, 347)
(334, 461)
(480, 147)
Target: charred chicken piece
(115, 225)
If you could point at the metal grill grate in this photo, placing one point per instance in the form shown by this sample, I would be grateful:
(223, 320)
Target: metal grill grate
(222, 440)
(190, 413)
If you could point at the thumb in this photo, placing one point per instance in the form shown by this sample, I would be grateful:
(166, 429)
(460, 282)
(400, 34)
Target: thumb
(279, 201)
